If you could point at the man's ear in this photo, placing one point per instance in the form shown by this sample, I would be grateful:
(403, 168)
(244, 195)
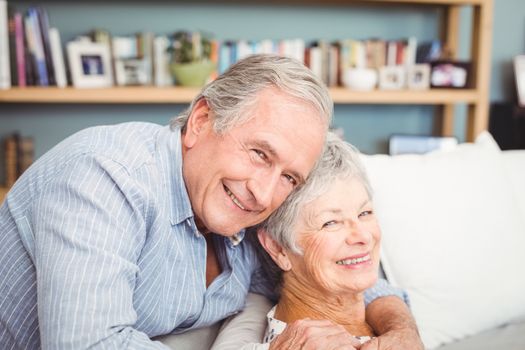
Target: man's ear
(275, 250)
(199, 121)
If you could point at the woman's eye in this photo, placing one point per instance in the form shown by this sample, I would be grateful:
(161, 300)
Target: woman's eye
(329, 223)
(366, 213)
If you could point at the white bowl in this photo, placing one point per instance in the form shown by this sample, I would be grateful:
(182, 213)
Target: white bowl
(363, 79)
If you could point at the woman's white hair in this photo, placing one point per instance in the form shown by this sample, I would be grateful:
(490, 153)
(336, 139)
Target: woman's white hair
(232, 94)
(340, 160)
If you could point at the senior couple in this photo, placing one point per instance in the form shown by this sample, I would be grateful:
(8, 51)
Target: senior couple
(123, 233)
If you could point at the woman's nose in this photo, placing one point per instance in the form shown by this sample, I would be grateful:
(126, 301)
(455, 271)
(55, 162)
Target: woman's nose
(357, 233)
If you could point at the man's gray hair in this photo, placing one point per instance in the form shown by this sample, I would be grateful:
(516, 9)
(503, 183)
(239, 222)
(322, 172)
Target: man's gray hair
(231, 94)
(340, 160)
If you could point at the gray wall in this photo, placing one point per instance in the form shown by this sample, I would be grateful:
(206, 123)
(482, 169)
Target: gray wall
(368, 127)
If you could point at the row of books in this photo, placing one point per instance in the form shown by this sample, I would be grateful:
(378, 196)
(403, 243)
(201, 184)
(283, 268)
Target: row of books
(18, 156)
(36, 53)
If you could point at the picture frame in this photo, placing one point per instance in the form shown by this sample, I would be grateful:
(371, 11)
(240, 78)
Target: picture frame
(131, 72)
(418, 77)
(392, 77)
(519, 73)
(90, 64)
(450, 74)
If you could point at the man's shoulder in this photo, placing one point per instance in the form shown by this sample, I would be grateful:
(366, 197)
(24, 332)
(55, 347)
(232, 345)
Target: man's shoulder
(130, 144)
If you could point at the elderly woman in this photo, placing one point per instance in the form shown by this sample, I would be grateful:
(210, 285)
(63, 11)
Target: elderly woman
(325, 238)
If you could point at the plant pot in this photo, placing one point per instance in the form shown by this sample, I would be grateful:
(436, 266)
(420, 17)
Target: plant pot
(362, 79)
(192, 74)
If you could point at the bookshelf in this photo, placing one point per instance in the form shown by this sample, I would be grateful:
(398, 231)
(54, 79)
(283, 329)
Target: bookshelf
(141, 95)
(476, 98)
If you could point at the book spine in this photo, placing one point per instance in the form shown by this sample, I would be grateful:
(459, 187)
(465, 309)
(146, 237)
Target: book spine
(12, 48)
(57, 57)
(11, 163)
(161, 61)
(43, 21)
(5, 70)
(25, 154)
(38, 47)
(20, 50)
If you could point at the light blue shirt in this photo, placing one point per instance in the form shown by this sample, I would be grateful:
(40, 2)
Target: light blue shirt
(99, 248)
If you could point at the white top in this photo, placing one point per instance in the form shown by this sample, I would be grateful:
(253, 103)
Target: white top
(276, 327)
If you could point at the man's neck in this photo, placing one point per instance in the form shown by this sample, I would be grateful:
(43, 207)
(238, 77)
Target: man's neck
(213, 267)
(299, 301)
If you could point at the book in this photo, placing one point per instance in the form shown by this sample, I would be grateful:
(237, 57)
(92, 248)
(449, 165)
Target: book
(5, 70)
(11, 159)
(36, 46)
(20, 50)
(25, 153)
(57, 57)
(43, 21)
(12, 47)
(417, 144)
(161, 68)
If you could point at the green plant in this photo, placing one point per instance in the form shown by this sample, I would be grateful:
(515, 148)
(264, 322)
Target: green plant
(190, 47)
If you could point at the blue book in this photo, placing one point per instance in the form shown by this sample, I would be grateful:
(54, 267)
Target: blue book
(38, 46)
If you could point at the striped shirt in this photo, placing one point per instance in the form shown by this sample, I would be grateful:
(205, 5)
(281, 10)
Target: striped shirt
(99, 248)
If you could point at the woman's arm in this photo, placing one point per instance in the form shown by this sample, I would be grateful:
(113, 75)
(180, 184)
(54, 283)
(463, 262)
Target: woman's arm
(245, 330)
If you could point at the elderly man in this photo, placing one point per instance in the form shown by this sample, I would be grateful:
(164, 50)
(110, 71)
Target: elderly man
(123, 233)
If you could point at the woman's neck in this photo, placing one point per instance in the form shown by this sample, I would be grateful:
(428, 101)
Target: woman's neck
(299, 301)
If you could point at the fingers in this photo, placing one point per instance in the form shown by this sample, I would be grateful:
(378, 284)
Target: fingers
(314, 335)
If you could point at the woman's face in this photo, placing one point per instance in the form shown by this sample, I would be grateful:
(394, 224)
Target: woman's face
(340, 238)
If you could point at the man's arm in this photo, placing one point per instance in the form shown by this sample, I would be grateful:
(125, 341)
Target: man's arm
(390, 317)
(89, 232)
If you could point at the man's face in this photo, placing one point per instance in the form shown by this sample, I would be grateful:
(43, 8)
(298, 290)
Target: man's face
(236, 179)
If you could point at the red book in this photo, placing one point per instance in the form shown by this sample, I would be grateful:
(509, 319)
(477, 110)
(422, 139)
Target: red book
(20, 51)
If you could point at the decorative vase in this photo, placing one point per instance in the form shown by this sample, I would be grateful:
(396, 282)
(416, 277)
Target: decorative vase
(363, 79)
(192, 74)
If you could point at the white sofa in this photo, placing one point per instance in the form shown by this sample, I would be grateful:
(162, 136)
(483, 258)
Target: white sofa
(453, 237)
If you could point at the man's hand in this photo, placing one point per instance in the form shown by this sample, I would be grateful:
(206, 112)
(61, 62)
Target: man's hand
(392, 320)
(314, 335)
(401, 339)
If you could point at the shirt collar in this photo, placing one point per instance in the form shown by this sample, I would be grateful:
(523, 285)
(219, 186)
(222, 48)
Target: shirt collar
(170, 153)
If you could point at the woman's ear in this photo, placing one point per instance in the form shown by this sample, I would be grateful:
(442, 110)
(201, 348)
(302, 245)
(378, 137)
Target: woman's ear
(199, 121)
(275, 250)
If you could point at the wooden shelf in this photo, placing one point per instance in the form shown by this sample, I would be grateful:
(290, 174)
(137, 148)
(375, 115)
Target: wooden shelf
(143, 95)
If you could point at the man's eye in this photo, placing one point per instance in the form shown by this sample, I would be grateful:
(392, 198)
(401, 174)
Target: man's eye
(290, 179)
(260, 154)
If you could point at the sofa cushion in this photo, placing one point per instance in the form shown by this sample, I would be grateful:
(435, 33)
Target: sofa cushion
(452, 237)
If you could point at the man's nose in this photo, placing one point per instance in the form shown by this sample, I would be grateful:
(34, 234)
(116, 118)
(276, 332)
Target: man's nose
(263, 186)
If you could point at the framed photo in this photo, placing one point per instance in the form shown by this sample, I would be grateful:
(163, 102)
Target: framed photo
(418, 77)
(519, 71)
(392, 77)
(90, 64)
(131, 71)
(450, 74)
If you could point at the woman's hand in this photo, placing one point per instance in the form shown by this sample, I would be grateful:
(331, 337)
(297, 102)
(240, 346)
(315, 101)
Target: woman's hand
(309, 334)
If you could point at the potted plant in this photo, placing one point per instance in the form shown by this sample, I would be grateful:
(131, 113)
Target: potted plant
(190, 58)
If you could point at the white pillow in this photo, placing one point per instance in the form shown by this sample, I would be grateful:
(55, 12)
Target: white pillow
(452, 238)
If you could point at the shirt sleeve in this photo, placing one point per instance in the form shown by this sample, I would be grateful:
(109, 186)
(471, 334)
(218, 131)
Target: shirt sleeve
(382, 289)
(89, 228)
(245, 330)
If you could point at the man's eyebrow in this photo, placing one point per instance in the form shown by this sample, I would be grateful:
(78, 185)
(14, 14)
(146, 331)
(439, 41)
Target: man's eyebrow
(265, 146)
